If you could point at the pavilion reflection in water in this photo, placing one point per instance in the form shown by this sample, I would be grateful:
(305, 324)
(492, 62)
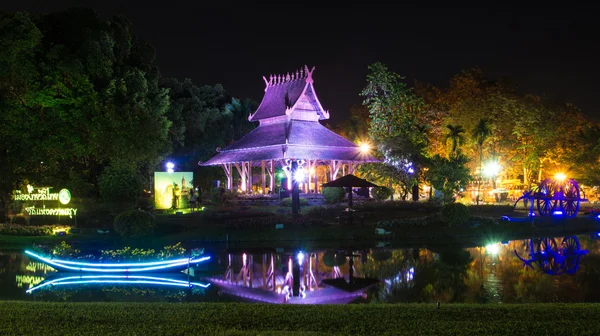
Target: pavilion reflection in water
(479, 274)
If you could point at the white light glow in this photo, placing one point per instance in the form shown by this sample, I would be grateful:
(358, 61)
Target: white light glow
(492, 249)
(365, 148)
(300, 258)
(299, 176)
(491, 169)
(560, 177)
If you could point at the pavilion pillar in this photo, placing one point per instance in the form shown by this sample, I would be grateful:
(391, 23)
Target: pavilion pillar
(227, 169)
(263, 183)
(316, 177)
(243, 171)
(351, 167)
(271, 177)
(335, 168)
(250, 182)
(310, 170)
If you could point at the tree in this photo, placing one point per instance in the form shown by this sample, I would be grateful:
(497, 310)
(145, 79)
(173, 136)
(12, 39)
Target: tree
(480, 133)
(204, 118)
(449, 175)
(456, 137)
(79, 93)
(395, 126)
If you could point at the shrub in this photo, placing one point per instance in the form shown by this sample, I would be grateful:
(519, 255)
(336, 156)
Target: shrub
(333, 195)
(134, 223)
(324, 212)
(381, 193)
(288, 201)
(27, 230)
(455, 214)
(120, 187)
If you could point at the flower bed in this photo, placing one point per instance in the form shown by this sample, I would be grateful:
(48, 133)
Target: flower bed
(28, 230)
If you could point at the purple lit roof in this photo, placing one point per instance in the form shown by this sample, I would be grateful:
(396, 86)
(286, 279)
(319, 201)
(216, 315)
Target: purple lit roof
(284, 91)
(289, 127)
(306, 140)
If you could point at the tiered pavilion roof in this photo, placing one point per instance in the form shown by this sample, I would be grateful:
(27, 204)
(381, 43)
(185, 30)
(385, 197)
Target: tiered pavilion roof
(289, 129)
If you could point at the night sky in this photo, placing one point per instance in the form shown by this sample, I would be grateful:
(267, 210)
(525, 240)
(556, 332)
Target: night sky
(546, 51)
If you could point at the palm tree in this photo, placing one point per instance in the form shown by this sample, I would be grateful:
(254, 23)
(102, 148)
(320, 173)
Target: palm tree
(480, 133)
(455, 135)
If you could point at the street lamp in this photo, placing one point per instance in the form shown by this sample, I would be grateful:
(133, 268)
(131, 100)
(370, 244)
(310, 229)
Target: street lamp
(170, 167)
(365, 148)
(491, 169)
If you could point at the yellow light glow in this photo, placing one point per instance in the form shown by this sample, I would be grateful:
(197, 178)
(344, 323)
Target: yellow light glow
(493, 249)
(560, 176)
(365, 148)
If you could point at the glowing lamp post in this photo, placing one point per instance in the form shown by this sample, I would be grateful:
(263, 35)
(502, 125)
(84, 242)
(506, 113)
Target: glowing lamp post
(170, 167)
(365, 148)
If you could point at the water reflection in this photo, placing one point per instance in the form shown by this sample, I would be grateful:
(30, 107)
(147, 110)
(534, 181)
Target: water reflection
(540, 269)
(173, 280)
(554, 259)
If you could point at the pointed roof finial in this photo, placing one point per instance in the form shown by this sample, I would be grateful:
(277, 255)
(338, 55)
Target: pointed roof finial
(266, 83)
(287, 77)
(301, 73)
(309, 73)
(297, 74)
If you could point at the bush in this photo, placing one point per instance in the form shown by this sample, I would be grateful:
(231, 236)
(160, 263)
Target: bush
(455, 214)
(26, 230)
(288, 201)
(324, 212)
(134, 223)
(333, 195)
(381, 193)
(120, 187)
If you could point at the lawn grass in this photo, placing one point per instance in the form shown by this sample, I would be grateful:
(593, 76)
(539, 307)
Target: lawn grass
(45, 318)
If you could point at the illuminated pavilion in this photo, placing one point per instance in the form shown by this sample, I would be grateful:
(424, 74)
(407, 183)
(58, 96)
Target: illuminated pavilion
(289, 133)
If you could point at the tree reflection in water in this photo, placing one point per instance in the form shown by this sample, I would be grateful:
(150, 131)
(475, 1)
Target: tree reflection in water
(475, 275)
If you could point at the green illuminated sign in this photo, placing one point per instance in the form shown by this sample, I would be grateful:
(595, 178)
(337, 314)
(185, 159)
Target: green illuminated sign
(64, 196)
(44, 194)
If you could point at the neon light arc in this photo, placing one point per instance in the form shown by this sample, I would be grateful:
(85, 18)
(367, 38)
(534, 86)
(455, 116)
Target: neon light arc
(125, 267)
(117, 279)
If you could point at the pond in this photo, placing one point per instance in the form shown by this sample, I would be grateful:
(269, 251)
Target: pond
(540, 269)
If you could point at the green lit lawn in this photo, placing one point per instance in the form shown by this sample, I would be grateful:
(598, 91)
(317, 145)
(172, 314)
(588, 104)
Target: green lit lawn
(38, 318)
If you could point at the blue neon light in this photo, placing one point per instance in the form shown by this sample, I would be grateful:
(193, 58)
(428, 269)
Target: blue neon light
(118, 279)
(135, 267)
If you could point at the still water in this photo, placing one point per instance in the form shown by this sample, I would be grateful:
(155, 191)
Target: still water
(541, 269)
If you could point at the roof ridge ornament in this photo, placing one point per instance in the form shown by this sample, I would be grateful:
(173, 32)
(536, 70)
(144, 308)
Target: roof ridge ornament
(309, 73)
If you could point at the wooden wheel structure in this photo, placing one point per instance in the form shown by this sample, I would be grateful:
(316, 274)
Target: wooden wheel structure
(555, 197)
(552, 258)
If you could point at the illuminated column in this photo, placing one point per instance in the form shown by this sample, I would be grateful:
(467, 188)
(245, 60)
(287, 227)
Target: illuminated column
(263, 177)
(249, 172)
(272, 177)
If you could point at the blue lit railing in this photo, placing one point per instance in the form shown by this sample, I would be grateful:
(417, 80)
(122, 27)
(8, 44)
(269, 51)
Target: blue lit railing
(118, 279)
(67, 265)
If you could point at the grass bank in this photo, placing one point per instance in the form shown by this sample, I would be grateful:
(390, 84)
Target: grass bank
(43, 318)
